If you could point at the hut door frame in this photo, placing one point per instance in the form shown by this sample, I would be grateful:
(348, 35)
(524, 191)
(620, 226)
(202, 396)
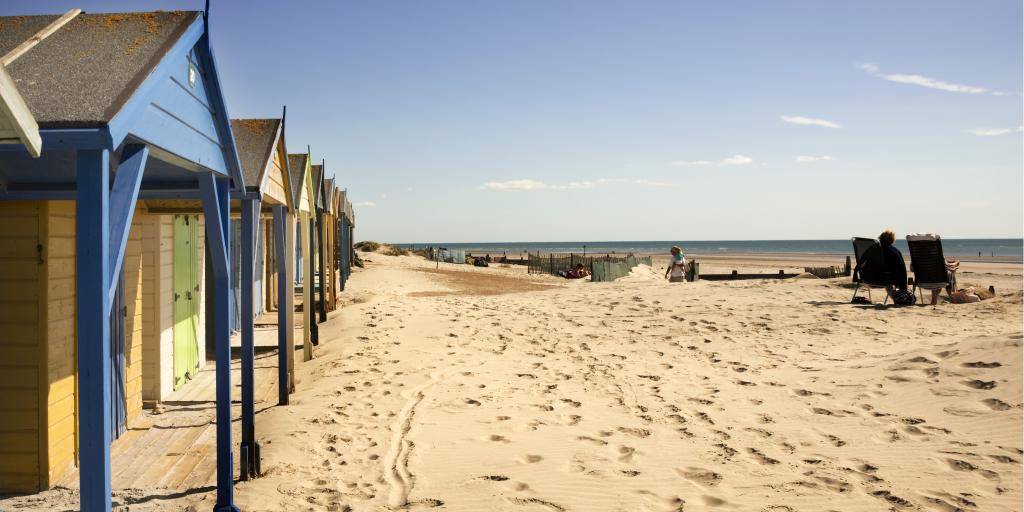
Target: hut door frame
(118, 401)
(185, 298)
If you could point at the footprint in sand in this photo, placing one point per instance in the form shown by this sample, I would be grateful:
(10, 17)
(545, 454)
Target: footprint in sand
(761, 457)
(980, 364)
(700, 476)
(592, 440)
(980, 384)
(626, 453)
(530, 459)
(996, 404)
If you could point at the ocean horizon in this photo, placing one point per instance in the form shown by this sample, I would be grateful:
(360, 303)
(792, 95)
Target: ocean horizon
(959, 247)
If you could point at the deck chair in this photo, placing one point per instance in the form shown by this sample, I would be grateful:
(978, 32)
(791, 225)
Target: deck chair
(870, 264)
(928, 264)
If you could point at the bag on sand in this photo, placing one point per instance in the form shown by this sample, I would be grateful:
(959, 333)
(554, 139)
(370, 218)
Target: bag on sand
(904, 298)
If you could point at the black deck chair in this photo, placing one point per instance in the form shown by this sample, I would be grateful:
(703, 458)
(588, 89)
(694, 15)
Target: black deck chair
(928, 263)
(870, 264)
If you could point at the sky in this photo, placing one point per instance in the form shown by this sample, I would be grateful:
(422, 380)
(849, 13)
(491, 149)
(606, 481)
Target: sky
(539, 120)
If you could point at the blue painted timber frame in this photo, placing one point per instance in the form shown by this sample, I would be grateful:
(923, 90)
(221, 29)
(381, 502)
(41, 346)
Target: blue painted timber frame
(284, 313)
(92, 264)
(248, 450)
(217, 208)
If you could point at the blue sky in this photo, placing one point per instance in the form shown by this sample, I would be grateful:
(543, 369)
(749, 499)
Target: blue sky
(592, 120)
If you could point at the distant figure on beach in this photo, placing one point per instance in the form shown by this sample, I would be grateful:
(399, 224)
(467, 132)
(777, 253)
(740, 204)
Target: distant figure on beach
(676, 271)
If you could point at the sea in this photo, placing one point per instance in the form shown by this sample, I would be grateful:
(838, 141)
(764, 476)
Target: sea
(1009, 248)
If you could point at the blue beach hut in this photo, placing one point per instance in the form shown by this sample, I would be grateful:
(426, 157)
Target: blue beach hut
(127, 107)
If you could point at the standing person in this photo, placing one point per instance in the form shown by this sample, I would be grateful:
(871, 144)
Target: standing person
(676, 271)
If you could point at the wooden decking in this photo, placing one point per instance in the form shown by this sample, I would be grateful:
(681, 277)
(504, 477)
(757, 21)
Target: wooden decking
(174, 448)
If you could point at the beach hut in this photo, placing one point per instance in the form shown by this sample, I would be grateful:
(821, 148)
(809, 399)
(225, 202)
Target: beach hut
(318, 249)
(346, 230)
(129, 108)
(266, 208)
(300, 168)
(329, 232)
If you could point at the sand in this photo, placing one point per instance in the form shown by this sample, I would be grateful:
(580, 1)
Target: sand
(477, 389)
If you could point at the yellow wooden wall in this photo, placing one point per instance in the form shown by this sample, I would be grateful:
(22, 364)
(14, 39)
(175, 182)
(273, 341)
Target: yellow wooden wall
(20, 318)
(133, 360)
(58, 240)
(38, 399)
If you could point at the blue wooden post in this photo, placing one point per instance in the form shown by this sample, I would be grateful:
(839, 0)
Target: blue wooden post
(217, 206)
(92, 265)
(284, 316)
(248, 450)
(322, 252)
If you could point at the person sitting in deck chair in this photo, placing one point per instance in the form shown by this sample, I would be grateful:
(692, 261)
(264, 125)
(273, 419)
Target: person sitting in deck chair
(895, 275)
(676, 266)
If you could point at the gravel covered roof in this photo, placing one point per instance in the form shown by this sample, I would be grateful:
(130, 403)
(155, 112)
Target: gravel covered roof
(83, 73)
(297, 166)
(255, 140)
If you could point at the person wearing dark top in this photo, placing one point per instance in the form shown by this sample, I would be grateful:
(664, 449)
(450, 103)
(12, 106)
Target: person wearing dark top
(895, 267)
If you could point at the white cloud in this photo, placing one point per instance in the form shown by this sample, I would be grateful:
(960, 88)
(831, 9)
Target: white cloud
(869, 67)
(736, 160)
(811, 158)
(999, 93)
(575, 185)
(656, 184)
(408, 189)
(809, 121)
(515, 185)
(365, 204)
(732, 160)
(602, 181)
(693, 163)
(383, 196)
(990, 132)
(932, 83)
(925, 81)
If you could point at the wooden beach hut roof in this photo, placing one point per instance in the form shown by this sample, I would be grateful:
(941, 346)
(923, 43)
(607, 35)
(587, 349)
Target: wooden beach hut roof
(84, 73)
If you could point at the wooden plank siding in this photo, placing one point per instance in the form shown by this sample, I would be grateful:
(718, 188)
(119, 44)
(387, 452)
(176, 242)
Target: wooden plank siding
(21, 368)
(38, 373)
(59, 340)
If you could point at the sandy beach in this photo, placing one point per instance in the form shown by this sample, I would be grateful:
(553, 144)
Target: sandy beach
(478, 389)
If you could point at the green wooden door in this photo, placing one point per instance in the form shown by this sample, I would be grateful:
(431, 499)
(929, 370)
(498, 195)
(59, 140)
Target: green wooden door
(186, 298)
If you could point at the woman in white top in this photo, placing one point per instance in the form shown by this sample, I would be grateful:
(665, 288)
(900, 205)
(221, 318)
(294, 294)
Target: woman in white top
(676, 271)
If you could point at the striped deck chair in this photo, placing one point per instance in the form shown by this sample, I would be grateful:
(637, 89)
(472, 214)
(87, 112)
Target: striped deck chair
(929, 265)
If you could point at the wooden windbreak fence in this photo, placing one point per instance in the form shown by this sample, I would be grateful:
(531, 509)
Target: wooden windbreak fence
(602, 268)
